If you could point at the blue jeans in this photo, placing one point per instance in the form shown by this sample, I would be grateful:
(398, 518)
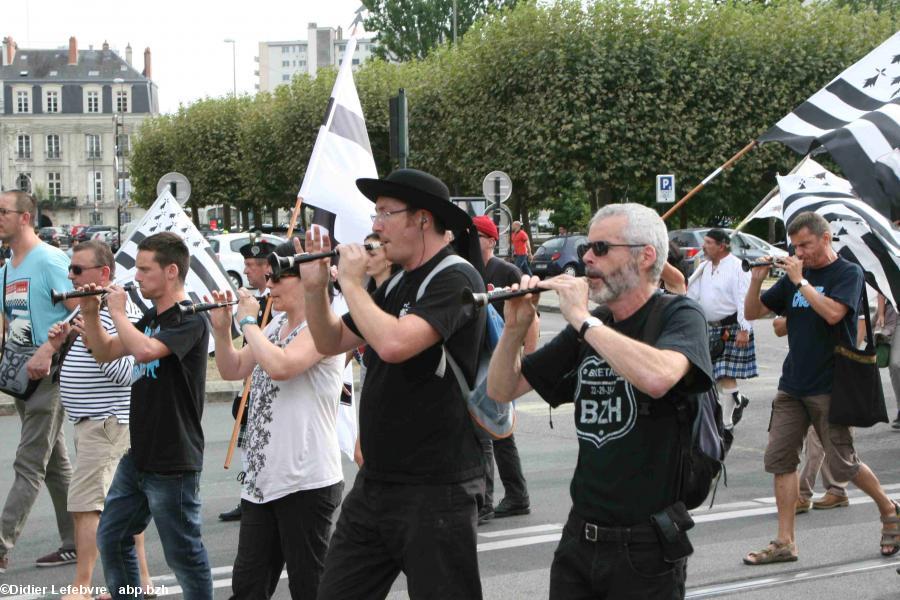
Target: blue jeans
(521, 261)
(173, 501)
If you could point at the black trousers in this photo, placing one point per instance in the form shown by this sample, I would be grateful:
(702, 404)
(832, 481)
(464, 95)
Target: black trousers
(508, 465)
(628, 566)
(426, 531)
(291, 530)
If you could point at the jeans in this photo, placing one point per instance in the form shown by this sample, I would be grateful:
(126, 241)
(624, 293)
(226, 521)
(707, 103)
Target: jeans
(425, 530)
(521, 261)
(626, 569)
(172, 500)
(41, 457)
(294, 530)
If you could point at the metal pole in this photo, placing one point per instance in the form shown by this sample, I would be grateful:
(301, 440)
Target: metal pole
(233, 66)
(454, 22)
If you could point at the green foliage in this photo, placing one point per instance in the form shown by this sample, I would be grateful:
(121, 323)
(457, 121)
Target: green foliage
(581, 103)
(411, 29)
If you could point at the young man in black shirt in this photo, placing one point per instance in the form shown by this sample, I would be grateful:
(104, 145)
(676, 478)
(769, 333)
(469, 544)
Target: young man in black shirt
(159, 477)
(819, 294)
(413, 504)
(498, 274)
(624, 392)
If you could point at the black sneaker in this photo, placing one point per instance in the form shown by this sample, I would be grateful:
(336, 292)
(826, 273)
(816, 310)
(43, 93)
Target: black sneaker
(485, 514)
(740, 403)
(507, 508)
(58, 558)
(231, 515)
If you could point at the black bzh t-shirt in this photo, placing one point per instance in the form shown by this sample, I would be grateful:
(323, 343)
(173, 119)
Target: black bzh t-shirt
(627, 442)
(167, 394)
(414, 426)
(807, 369)
(500, 273)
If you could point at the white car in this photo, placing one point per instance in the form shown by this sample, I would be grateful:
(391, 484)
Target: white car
(227, 247)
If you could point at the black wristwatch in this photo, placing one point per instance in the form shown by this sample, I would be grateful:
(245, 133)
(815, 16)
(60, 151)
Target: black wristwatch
(587, 324)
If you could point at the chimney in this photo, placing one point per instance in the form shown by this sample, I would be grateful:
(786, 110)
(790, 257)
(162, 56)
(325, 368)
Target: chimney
(105, 46)
(148, 73)
(73, 51)
(128, 54)
(10, 50)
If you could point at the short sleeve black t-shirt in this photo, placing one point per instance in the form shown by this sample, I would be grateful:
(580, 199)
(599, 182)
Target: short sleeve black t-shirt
(500, 273)
(808, 366)
(414, 425)
(627, 442)
(167, 394)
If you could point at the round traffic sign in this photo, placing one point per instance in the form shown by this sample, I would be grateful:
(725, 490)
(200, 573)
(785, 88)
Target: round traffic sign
(177, 184)
(497, 186)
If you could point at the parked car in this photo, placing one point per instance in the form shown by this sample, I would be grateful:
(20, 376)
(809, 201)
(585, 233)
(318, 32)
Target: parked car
(559, 255)
(56, 236)
(111, 238)
(74, 230)
(88, 232)
(227, 247)
(743, 246)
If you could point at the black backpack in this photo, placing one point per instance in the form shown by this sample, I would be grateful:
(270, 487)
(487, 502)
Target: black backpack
(702, 432)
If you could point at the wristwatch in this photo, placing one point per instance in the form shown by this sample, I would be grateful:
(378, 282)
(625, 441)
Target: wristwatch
(802, 283)
(588, 324)
(246, 321)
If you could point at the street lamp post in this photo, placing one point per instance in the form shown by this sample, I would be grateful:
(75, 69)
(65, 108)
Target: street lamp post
(120, 152)
(233, 66)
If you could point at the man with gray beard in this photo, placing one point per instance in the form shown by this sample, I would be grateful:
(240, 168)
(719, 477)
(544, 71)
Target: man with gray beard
(626, 391)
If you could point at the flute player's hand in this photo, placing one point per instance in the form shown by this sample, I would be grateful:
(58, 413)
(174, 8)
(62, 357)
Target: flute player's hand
(315, 274)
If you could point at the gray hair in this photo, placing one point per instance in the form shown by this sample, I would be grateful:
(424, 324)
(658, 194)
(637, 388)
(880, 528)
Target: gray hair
(815, 222)
(643, 226)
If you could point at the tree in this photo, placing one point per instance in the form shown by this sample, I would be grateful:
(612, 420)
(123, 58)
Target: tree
(410, 29)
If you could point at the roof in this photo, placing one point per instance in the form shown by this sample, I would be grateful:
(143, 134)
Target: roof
(40, 64)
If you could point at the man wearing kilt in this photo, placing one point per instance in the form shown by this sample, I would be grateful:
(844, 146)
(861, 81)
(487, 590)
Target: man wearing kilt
(720, 284)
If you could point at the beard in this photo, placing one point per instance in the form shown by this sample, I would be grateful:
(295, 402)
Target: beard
(615, 284)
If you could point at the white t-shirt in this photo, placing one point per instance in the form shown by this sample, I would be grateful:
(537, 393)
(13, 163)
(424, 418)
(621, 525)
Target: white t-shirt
(720, 289)
(291, 442)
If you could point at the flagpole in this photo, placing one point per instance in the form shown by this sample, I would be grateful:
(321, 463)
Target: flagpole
(768, 196)
(710, 177)
(235, 431)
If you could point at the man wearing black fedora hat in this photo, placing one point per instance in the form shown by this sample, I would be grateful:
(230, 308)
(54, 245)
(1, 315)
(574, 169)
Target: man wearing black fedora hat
(413, 505)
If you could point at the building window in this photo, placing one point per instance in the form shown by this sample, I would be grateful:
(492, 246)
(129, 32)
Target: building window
(123, 144)
(355, 61)
(52, 146)
(285, 77)
(121, 101)
(93, 102)
(285, 49)
(95, 184)
(23, 101)
(23, 146)
(23, 182)
(52, 102)
(54, 186)
(94, 148)
(96, 218)
(126, 217)
(285, 63)
(302, 63)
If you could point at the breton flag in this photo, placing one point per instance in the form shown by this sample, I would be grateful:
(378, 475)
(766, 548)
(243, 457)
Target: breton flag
(342, 154)
(205, 272)
(860, 233)
(856, 118)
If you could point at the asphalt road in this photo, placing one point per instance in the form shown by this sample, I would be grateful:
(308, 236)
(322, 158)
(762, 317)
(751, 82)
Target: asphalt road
(838, 548)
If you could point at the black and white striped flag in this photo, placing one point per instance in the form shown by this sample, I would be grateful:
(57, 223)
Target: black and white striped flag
(342, 154)
(860, 233)
(205, 272)
(856, 118)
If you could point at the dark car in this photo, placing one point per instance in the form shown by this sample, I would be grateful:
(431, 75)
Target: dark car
(559, 255)
(55, 236)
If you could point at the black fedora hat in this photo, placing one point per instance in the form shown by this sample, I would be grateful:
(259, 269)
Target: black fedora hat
(420, 190)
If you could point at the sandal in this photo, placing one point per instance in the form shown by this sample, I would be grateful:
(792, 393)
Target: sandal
(775, 552)
(890, 538)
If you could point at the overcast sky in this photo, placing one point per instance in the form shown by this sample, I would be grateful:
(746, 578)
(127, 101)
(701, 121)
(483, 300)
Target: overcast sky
(190, 60)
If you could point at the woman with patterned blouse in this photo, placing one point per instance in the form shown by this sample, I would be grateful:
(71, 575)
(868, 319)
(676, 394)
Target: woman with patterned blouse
(293, 480)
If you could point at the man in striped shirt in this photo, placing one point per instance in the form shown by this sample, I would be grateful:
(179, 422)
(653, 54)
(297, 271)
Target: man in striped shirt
(96, 397)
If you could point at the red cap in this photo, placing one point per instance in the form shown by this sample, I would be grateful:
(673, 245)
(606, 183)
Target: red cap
(485, 225)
